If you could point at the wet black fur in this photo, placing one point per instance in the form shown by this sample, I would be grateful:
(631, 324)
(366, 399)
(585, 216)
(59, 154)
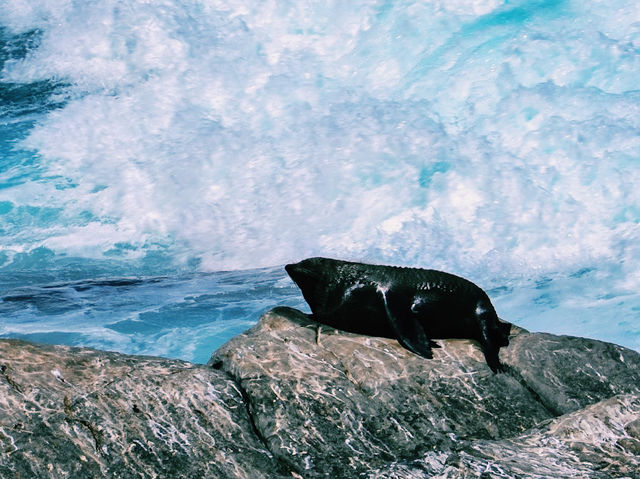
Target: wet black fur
(412, 305)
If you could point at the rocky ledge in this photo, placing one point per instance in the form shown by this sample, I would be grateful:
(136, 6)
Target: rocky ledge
(287, 400)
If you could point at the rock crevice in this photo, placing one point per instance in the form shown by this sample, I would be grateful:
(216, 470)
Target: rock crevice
(549, 407)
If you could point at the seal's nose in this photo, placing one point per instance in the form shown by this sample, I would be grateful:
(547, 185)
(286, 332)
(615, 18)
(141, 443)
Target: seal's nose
(295, 271)
(304, 275)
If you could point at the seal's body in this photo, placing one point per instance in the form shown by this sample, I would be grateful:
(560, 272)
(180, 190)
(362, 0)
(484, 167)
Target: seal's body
(412, 305)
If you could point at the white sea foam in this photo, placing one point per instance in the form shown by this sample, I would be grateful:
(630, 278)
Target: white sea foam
(498, 140)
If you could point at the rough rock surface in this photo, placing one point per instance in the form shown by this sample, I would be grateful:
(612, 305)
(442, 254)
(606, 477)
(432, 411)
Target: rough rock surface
(282, 401)
(81, 413)
(350, 405)
(598, 442)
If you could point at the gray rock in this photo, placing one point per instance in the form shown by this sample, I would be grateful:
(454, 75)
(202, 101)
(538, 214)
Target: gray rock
(282, 401)
(598, 442)
(350, 405)
(80, 413)
(366, 400)
(569, 373)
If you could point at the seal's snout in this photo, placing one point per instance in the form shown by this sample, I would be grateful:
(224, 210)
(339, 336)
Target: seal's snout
(296, 271)
(304, 274)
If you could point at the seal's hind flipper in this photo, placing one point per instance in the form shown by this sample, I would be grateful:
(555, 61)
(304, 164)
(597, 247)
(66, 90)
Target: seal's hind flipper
(409, 332)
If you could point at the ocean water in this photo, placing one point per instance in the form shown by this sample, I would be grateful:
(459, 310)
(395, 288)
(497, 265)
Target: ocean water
(160, 161)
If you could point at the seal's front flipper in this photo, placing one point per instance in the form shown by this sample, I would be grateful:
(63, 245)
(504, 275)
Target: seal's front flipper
(408, 330)
(491, 350)
(491, 356)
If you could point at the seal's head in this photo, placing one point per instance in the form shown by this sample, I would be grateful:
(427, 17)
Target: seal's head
(306, 273)
(312, 276)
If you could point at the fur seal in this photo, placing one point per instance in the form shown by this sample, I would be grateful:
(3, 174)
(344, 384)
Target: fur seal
(412, 305)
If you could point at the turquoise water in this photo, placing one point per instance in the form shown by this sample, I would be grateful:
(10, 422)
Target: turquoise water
(184, 316)
(160, 161)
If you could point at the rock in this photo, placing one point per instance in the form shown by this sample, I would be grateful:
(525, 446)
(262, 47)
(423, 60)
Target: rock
(569, 373)
(367, 400)
(281, 400)
(80, 413)
(593, 443)
(350, 405)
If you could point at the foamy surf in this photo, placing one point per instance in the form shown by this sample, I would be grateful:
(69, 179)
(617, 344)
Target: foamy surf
(495, 140)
